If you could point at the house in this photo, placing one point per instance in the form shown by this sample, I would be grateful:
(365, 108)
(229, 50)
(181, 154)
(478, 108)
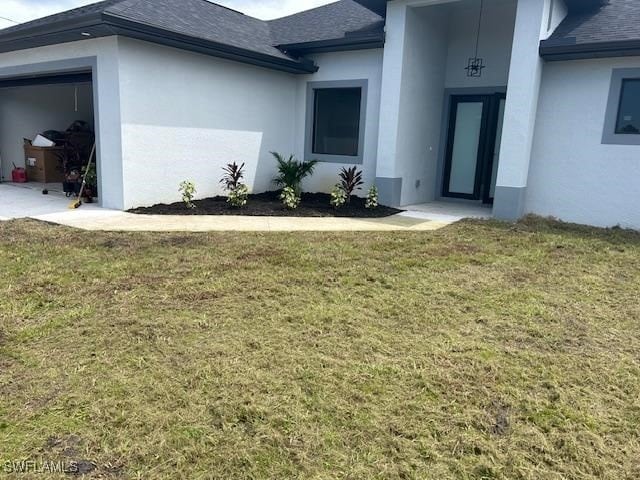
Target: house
(531, 106)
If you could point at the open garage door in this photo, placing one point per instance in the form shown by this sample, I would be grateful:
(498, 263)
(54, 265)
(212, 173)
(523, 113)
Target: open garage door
(58, 107)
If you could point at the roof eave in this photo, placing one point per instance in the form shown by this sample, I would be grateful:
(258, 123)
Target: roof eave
(105, 24)
(335, 45)
(50, 28)
(552, 51)
(141, 31)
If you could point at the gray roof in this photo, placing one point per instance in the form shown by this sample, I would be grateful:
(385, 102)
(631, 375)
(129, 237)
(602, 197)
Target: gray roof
(593, 28)
(330, 22)
(208, 28)
(610, 29)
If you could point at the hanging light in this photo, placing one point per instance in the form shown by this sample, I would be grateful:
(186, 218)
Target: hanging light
(476, 64)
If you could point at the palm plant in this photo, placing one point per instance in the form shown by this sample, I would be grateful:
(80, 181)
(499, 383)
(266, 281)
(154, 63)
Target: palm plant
(291, 172)
(350, 181)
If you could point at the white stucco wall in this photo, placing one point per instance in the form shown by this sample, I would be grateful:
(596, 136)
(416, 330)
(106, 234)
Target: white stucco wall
(353, 65)
(185, 116)
(572, 175)
(412, 98)
(27, 111)
(531, 26)
(421, 100)
(108, 105)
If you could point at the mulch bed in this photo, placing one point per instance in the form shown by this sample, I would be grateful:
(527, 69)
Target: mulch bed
(269, 205)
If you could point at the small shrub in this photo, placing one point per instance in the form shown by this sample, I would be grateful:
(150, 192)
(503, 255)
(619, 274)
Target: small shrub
(291, 172)
(290, 198)
(372, 198)
(350, 181)
(338, 196)
(188, 191)
(238, 196)
(232, 176)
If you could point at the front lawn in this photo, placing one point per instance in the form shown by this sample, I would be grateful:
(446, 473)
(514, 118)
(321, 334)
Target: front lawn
(480, 351)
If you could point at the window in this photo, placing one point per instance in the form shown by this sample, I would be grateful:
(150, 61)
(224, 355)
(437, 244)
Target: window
(622, 120)
(336, 128)
(335, 121)
(628, 121)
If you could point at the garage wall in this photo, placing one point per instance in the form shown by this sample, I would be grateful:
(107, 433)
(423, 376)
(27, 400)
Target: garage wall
(106, 83)
(572, 175)
(336, 66)
(27, 111)
(190, 120)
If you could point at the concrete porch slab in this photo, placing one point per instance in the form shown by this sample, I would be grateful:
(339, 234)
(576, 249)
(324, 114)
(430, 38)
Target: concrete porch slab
(448, 211)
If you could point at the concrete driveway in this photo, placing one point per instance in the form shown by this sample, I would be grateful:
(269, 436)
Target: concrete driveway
(24, 202)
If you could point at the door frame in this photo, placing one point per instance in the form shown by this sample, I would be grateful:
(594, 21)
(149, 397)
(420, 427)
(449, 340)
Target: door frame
(441, 178)
(453, 120)
(490, 145)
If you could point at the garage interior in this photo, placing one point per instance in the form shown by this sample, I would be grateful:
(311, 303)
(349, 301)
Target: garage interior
(47, 126)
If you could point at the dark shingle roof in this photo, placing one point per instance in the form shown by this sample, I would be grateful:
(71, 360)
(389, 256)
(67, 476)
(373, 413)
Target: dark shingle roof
(608, 30)
(329, 22)
(205, 27)
(75, 13)
(201, 19)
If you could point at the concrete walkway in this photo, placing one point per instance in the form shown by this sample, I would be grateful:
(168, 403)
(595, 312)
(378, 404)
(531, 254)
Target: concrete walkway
(110, 220)
(21, 202)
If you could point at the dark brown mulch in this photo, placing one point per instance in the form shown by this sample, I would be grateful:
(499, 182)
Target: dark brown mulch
(269, 205)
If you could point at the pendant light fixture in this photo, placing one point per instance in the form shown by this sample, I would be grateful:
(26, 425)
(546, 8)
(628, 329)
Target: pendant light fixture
(476, 64)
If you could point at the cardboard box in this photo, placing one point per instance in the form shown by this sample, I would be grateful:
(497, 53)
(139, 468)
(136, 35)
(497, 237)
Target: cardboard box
(43, 164)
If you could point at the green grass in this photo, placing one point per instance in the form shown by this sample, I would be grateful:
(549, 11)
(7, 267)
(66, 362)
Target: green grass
(481, 351)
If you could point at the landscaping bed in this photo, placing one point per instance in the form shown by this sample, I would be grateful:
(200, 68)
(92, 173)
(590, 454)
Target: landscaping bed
(269, 205)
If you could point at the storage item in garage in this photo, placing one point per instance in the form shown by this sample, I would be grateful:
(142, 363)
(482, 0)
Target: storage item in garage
(43, 164)
(72, 183)
(18, 175)
(42, 141)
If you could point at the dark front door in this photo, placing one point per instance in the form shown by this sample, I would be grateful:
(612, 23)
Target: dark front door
(473, 146)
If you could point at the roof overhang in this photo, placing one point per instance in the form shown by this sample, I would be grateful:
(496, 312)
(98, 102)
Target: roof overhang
(103, 25)
(360, 42)
(569, 49)
(555, 51)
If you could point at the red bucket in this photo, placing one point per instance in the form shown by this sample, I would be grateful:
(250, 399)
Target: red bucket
(19, 175)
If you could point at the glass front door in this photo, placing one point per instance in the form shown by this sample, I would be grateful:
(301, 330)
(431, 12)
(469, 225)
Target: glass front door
(473, 147)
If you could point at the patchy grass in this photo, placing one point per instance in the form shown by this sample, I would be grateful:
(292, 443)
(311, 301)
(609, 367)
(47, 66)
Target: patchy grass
(482, 351)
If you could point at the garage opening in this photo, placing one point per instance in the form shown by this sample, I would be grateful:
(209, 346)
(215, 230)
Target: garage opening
(47, 134)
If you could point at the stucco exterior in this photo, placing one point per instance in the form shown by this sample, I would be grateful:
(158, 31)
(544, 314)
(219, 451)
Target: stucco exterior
(574, 176)
(336, 66)
(164, 115)
(101, 55)
(185, 116)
